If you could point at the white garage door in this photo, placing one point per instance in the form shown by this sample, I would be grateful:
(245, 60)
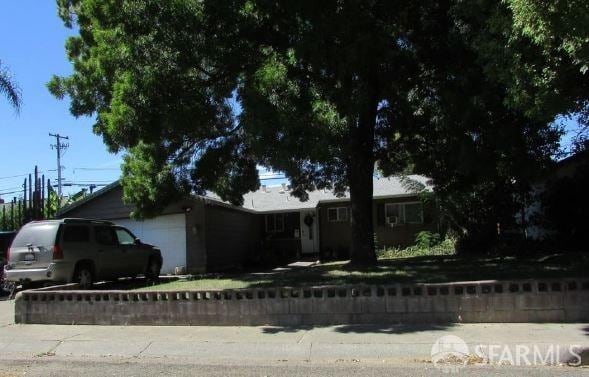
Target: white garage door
(166, 232)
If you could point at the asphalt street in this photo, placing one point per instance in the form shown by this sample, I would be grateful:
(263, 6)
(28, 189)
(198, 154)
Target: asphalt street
(148, 368)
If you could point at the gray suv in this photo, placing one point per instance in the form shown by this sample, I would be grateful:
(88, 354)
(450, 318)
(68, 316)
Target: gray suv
(78, 250)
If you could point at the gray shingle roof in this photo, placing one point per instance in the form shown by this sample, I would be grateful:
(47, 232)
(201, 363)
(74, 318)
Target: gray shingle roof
(276, 199)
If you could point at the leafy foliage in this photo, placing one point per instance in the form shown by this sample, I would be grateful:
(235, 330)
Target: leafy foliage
(541, 55)
(426, 239)
(9, 88)
(443, 247)
(326, 90)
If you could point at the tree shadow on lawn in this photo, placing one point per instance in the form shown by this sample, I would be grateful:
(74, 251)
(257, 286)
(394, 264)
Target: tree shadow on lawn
(433, 269)
(390, 329)
(425, 269)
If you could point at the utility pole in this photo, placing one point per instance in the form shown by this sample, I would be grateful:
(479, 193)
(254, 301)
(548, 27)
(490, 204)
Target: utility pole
(59, 146)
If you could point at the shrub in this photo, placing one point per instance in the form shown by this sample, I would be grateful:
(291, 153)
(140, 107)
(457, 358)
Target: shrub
(445, 247)
(426, 239)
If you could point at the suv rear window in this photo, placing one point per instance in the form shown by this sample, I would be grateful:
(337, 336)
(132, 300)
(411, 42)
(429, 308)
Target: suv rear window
(41, 234)
(76, 233)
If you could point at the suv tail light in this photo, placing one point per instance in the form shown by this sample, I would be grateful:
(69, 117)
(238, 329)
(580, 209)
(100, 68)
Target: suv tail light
(57, 252)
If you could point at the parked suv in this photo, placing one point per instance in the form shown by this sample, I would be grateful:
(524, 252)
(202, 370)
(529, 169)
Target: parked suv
(5, 240)
(78, 250)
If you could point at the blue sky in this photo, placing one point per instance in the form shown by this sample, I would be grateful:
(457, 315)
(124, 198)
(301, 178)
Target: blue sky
(32, 41)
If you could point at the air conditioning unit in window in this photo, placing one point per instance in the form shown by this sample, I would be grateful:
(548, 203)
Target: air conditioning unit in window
(392, 220)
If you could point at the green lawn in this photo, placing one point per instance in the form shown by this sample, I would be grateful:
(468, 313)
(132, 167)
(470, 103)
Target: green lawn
(422, 269)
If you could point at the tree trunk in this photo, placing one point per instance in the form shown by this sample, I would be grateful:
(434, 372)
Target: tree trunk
(361, 170)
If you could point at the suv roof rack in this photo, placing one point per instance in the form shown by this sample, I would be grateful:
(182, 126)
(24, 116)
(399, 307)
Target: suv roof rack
(86, 221)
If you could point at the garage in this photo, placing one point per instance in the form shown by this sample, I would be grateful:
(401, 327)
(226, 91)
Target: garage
(168, 232)
(199, 234)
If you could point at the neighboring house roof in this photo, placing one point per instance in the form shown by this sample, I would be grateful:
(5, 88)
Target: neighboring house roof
(88, 198)
(575, 158)
(279, 199)
(275, 199)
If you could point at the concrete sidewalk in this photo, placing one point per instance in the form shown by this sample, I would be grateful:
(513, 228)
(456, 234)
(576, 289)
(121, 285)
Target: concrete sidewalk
(372, 343)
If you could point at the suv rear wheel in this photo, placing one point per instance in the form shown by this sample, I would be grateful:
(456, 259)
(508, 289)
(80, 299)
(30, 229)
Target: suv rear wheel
(84, 276)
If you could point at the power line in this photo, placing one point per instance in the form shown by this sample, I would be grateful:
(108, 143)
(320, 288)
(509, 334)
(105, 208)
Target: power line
(88, 182)
(11, 192)
(15, 176)
(84, 184)
(51, 170)
(11, 188)
(96, 169)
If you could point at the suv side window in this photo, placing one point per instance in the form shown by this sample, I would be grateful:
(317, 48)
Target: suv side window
(124, 237)
(76, 234)
(105, 235)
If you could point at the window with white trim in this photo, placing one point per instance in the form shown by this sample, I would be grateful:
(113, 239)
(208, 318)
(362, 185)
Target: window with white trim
(337, 214)
(393, 213)
(275, 223)
(403, 213)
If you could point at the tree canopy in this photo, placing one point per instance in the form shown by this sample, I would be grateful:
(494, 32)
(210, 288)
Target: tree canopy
(200, 92)
(544, 58)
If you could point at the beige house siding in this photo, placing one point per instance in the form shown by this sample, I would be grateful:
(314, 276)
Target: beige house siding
(196, 256)
(337, 236)
(109, 205)
(231, 237)
(401, 235)
(106, 206)
(334, 237)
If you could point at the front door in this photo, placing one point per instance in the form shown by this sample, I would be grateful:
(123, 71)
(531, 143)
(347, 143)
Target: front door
(309, 232)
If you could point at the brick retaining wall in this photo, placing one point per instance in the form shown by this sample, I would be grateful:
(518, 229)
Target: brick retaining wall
(564, 300)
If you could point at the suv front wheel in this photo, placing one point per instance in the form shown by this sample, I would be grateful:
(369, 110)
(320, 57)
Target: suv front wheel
(153, 269)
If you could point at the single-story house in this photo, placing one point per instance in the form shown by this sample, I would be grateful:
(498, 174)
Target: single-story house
(205, 234)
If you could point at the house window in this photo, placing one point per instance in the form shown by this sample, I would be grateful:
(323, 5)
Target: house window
(404, 213)
(338, 214)
(275, 223)
(393, 213)
(413, 213)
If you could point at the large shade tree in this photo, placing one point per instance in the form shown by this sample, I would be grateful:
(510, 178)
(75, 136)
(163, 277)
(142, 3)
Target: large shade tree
(199, 92)
(475, 128)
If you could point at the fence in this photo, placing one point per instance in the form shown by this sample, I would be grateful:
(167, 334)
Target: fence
(555, 300)
(38, 201)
